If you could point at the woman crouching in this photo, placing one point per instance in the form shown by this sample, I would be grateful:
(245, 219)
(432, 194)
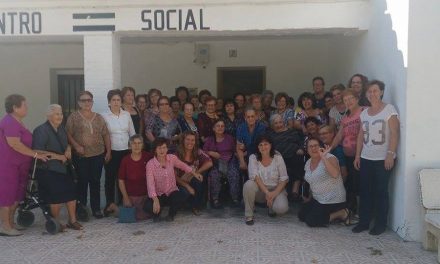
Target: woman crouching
(55, 186)
(326, 202)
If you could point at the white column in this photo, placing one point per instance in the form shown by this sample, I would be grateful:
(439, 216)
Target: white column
(102, 67)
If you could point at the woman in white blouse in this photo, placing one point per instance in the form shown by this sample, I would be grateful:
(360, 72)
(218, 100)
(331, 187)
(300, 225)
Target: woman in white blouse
(121, 128)
(267, 180)
(326, 202)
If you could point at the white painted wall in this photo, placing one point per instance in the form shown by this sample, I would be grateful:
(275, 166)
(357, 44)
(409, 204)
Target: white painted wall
(25, 69)
(381, 54)
(290, 64)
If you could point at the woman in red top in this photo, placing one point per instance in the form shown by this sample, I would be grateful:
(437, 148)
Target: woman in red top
(132, 180)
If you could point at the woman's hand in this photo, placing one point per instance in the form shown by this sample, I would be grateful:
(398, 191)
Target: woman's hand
(108, 156)
(43, 156)
(270, 197)
(389, 161)
(80, 150)
(126, 201)
(68, 154)
(156, 206)
(324, 151)
(190, 189)
(243, 165)
(198, 176)
(357, 163)
(214, 154)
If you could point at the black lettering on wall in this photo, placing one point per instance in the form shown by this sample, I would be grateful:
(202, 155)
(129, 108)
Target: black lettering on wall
(169, 12)
(202, 27)
(3, 23)
(159, 14)
(190, 20)
(145, 19)
(24, 22)
(36, 23)
(11, 15)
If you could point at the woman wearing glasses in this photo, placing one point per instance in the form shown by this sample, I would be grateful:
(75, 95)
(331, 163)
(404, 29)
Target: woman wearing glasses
(88, 135)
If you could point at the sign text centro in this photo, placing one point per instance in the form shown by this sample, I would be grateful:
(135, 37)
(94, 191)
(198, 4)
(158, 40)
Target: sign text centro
(173, 19)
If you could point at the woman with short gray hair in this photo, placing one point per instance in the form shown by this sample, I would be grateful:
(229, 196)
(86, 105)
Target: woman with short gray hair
(55, 186)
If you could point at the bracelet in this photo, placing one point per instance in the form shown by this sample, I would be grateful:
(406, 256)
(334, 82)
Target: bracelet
(391, 152)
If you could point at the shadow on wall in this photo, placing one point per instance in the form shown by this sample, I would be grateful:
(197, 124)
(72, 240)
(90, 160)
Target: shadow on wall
(375, 54)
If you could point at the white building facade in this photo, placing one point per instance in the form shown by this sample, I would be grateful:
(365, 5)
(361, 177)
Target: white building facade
(154, 44)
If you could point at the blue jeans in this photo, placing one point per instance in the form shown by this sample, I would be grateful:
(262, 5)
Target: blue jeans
(373, 193)
(197, 199)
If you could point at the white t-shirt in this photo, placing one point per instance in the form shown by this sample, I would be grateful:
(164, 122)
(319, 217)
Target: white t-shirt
(325, 189)
(271, 175)
(376, 133)
(120, 127)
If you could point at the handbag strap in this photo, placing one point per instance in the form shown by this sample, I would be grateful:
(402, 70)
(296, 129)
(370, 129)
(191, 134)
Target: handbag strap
(57, 137)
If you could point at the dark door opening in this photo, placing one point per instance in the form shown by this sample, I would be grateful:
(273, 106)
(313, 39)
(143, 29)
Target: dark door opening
(69, 86)
(247, 80)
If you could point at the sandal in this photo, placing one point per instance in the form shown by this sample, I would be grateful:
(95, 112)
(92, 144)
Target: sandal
(75, 226)
(347, 221)
(249, 221)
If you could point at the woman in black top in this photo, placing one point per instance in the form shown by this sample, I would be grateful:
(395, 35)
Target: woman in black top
(55, 186)
(128, 104)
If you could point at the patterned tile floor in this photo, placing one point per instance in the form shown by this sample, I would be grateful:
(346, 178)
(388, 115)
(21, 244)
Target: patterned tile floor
(214, 237)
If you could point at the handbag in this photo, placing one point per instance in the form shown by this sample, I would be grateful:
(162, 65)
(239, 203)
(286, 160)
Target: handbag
(127, 215)
(70, 168)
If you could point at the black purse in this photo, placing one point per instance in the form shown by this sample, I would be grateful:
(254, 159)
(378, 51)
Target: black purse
(70, 168)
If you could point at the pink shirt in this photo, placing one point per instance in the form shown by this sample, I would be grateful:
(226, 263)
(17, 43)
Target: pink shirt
(350, 129)
(162, 180)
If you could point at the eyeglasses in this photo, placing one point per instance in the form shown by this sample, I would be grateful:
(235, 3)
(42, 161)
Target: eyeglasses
(85, 100)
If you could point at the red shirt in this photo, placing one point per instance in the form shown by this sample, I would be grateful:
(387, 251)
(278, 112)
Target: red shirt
(133, 174)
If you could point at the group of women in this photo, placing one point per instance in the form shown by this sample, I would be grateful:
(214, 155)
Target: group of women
(159, 151)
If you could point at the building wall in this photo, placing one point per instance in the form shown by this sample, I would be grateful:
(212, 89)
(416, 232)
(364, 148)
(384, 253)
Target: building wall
(290, 64)
(25, 69)
(381, 53)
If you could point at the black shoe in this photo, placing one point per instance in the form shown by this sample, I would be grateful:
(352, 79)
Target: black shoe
(156, 219)
(271, 213)
(235, 204)
(249, 221)
(98, 214)
(377, 231)
(359, 228)
(196, 212)
(216, 205)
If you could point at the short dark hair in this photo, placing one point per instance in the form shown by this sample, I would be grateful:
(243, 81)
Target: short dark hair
(230, 101)
(312, 119)
(188, 103)
(184, 89)
(13, 100)
(163, 97)
(174, 99)
(291, 102)
(267, 138)
(112, 93)
(239, 94)
(339, 87)
(380, 84)
(281, 95)
(363, 78)
(136, 136)
(306, 95)
(139, 96)
(209, 99)
(127, 89)
(160, 141)
(202, 93)
(84, 93)
(321, 145)
(318, 78)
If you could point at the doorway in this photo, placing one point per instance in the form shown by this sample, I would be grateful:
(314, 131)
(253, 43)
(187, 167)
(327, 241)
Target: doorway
(246, 80)
(69, 86)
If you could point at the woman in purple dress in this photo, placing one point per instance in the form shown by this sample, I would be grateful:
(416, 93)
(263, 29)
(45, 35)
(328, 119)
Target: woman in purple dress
(16, 153)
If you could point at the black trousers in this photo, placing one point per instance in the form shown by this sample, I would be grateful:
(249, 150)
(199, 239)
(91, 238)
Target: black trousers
(111, 177)
(89, 176)
(175, 200)
(352, 184)
(315, 214)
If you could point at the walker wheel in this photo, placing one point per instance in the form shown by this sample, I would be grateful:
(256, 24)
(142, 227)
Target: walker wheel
(25, 218)
(53, 226)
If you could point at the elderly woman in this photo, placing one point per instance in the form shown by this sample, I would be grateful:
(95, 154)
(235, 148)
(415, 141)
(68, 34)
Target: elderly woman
(88, 135)
(289, 143)
(120, 126)
(288, 115)
(267, 180)
(128, 104)
(256, 103)
(189, 152)
(132, 180)
(305, 102)
(186, 121)
(326, 202)
(161, 181)
(16, 153)
(221, 148)
(207, 119)
(55, 186)
(375, 154)
(164, 124)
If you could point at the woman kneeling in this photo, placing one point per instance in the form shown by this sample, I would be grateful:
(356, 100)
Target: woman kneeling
(326, 202)
(267, 181)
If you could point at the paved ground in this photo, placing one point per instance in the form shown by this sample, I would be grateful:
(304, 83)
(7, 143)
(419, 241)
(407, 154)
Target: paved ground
(214, 237)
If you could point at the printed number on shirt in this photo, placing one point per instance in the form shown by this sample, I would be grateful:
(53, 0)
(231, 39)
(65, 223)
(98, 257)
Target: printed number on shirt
(375, 132)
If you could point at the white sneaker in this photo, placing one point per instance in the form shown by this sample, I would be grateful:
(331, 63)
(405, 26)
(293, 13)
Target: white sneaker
(10, 232)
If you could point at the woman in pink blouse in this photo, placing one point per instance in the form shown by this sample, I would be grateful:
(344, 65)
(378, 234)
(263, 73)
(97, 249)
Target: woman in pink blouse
(161, 181)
